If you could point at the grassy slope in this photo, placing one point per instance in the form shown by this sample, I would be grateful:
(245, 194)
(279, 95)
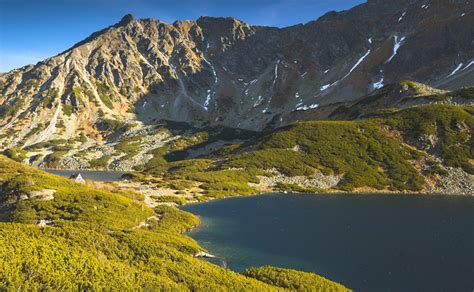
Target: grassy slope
(92, 244)
(359, 150)
(379, 152)
(366, 155)
(452, 125)
(289, 279)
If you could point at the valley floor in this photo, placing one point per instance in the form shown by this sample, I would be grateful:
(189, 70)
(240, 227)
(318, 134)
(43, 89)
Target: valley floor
(455, 182)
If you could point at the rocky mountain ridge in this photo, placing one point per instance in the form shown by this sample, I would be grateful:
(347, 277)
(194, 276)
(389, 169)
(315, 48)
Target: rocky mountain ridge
(222, 71)
(403, 137)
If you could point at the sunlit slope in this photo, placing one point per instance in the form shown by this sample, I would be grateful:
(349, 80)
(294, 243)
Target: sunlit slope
(90, 240)
(395, 150)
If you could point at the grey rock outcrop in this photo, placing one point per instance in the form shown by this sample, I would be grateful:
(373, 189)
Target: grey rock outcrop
(41, 195)
(224, 71)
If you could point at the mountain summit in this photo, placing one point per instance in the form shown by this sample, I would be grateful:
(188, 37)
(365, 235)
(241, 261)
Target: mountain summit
(126, 20)
(222, 71)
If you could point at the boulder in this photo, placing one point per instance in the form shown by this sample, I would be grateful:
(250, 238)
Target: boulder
(42, 195)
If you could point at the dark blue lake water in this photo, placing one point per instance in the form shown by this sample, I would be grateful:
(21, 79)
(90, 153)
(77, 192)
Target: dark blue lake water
(366, 242)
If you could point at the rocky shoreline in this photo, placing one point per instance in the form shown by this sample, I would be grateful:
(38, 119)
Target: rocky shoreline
(454, 182)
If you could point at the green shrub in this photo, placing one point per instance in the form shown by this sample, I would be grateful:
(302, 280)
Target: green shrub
(157, 164)
(170, 199)
(82, 138)
(293, 280)
(100, 163)
(366, 158)
(67, 109)
(130, 146)
(15, 153)
(451, 125)
(104, 92)
(294, 188)
(110, 125)
(53, 160)
(7, 110)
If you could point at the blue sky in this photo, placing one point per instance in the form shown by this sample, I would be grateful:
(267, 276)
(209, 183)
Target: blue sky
(32, 30)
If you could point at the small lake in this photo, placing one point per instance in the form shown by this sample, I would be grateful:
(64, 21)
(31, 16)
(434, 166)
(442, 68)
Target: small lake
(366, 242)
(95, 175)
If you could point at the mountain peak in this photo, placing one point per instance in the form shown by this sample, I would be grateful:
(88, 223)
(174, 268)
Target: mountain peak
(126, 20)
(211, 20)
(221, 71)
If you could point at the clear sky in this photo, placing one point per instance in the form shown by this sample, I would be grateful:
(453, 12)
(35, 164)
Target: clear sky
(32, 30)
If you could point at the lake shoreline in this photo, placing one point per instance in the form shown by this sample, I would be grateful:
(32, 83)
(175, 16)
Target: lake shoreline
(97, 176)
(342, 194)
(329, 193)
(276, 210)
(208, 252)
(152, 192)
(79, 170)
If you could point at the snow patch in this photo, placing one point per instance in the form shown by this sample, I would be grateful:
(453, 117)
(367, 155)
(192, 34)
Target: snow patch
(183, 88)
(357, 64)
(324, 87)
(456, 70)
(268, 104)
(150, 46)
(379, 84)
(401, 17)
(276, 72)
(259, 101)
(207, 101)
(307, 107)
(396, 47)
(213, 69)
(216, 81)
(468, 65)
(459, 68)
(248, 85)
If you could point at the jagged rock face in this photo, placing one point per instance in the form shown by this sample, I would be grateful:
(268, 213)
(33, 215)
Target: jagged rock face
(223, 71)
